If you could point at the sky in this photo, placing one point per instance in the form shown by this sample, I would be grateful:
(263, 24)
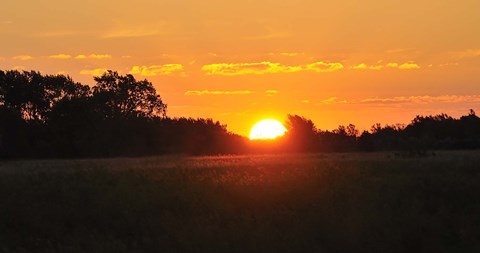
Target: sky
(238, 62)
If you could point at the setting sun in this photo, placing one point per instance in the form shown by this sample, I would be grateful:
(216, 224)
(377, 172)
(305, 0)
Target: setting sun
(267, 129)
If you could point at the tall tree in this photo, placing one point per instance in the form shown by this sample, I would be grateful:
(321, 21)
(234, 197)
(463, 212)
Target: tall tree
(125, 97)
(301, 135)
(34, 94)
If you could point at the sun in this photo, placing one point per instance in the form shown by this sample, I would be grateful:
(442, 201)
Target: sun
(267, 129)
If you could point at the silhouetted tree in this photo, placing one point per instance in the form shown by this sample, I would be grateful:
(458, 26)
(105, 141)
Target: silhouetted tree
(125, 97)
(301, 134)
(33, 94)
(342, 139)
(383, 138)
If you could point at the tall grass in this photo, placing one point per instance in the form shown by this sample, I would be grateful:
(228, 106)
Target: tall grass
(270, 203)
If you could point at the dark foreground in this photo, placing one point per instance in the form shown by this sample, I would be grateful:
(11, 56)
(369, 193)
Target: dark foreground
(304, 203)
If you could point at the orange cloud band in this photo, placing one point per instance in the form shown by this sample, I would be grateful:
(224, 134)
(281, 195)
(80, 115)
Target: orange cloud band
(156, 70)
(233, 69)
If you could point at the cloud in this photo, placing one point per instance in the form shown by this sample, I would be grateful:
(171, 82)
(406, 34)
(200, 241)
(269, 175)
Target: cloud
(94, 72)
(409, 66)
(216, 92)
(271, 92)
(323, 67)
(469, 53)
(376, 67)
(232, 69)
(423, 99)
(365, 66)
(291, 54)
(393, 100)
(100, 56)
(259, 68)
(360, 66)
(266, 67)
(156, 70)
(399, 50)
(93, 56)
(23, 57)
(333, 100)
(60, 56)
(448, 64)
(394, 65)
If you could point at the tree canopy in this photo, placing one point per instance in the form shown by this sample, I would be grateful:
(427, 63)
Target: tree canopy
(123, 96)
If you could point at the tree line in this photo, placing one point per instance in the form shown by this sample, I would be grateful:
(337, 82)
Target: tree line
(52, 116)
(423, 133)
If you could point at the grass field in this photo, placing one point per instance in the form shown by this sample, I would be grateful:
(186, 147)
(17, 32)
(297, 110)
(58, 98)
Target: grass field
(271, 203)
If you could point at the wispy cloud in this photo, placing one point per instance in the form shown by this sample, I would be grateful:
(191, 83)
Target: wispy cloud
(448, 64)
(217, 92)
(469, 53)
(94, 72)
(271, 92)
(61, 56)
(291, 54)
(100, 56)
(232, 69)
(402, 100)
(333, 100)
(80, 56)
(156, 70)
(423, 99)
(93, 56)
(23, 57)
(323, 67)
(409, 66)
(363, 66)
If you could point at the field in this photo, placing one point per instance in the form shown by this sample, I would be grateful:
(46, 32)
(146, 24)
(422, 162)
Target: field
(374, 202)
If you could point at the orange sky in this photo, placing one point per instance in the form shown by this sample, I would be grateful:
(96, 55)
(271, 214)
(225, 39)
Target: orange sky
(238, 62)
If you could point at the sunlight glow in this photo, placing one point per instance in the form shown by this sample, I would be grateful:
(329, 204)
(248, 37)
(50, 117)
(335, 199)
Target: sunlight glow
(267, 129)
